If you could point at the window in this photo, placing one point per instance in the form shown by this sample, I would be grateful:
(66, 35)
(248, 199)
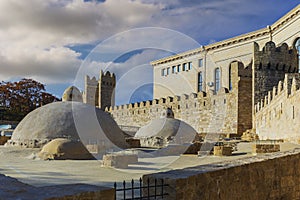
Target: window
(230, 79)
(178, 68)
(297, 45)
(184, 67)
(174, 69)
(200, 82)
(163, 72)
(189, 65)
(168, 70)
(217, 80)
(201, 62)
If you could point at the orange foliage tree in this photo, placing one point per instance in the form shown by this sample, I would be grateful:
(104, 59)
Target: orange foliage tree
(19, 98)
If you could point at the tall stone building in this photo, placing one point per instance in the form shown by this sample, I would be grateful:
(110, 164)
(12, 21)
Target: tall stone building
(214, 88)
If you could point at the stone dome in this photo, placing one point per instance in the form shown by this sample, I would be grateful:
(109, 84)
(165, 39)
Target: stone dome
(166, 129)
(63, 149)
(72, 93)
(71, 120)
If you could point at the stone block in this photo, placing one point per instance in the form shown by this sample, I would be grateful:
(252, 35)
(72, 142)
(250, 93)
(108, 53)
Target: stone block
(222, 151)
(119, 160)
(265, 148)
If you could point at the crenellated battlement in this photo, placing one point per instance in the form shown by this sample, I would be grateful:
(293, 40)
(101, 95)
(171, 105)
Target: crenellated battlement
(280, 58)
(270, 66)
(200, 96)
(91, 81)
(287, 88)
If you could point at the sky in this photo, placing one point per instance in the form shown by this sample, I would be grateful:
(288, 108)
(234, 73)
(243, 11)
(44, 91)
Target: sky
(57, 42)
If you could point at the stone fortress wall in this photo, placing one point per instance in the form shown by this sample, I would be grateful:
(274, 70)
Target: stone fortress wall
(277, 115)
(228, 111)
(205, 112)
(270, 66)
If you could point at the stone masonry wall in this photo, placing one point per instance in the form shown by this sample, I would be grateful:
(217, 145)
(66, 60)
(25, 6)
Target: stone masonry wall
(277, 115)
(269, 176)
(270, 66)
(205, 112)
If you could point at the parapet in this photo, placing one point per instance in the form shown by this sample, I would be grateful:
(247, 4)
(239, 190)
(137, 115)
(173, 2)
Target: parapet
(170, 100)
(288, 87)
(281, 58)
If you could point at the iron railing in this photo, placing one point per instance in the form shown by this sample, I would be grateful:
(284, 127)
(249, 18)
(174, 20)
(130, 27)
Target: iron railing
(141, 190)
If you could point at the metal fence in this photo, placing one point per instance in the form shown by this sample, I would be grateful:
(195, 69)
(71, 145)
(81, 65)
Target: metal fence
(141, 190)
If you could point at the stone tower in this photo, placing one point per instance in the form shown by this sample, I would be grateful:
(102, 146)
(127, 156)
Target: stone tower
(107, 84)
(100, 93)
(91, 91)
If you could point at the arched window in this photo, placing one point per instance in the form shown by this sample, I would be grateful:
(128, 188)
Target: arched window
(200, 82)
(217, 80)
(230, 79)
(297, 45)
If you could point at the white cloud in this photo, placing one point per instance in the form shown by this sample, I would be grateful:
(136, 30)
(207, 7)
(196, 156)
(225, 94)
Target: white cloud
(35, 34)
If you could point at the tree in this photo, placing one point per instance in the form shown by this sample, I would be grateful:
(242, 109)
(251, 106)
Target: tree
(19, 98)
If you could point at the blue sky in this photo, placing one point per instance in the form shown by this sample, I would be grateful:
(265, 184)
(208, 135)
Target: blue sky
(48, 40)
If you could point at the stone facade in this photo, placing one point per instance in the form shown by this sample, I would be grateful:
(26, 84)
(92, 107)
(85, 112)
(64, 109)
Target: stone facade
(277, 114)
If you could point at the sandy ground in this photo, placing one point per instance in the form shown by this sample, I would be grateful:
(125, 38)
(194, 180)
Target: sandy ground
(19, 163)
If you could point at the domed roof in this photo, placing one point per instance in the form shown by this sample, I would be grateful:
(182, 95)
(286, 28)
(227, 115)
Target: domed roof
(72, 93)
(167, 127)
(63, 149)
(72, 120)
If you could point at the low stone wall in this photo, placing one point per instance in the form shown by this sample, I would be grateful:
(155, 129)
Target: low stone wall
(272, 176)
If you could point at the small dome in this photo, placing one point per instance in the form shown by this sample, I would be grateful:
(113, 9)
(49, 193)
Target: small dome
(72, 93)
(63, 149)
(166, 129)
(71, 120)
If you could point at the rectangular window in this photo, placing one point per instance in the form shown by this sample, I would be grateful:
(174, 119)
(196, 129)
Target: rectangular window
(189, 65)
(168, 70)
(178, 68)
(163, 72)
(174, 68)
(201, 62)
(200, 82)
(184, 67)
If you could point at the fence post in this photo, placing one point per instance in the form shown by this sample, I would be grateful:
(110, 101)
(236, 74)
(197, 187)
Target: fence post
(132, 189)
(155, 181)
(124, 190)
(141, 194)
(162, 188)
(148, 188)
(115, 186)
